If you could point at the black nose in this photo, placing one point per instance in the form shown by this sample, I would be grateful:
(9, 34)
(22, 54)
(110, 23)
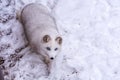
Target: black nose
(51, 58)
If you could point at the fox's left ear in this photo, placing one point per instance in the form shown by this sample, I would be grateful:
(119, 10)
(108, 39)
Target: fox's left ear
(59, 40)
(46, 38)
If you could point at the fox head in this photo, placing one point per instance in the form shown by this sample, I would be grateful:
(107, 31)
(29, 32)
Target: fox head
(50, 46)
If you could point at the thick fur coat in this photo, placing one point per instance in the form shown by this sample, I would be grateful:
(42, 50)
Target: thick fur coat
(41, 31)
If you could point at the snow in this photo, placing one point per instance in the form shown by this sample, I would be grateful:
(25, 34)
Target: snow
(91, 41)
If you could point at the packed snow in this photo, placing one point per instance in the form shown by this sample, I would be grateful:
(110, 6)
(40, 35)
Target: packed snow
(91, 41)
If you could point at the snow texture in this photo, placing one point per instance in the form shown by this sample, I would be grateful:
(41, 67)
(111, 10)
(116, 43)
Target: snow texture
(91, 41)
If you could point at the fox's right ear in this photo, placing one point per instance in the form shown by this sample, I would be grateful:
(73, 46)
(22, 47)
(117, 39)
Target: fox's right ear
(59, 40)
(46, 38)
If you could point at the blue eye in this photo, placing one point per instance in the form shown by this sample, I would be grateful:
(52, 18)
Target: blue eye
(48, 48)
(56, 49)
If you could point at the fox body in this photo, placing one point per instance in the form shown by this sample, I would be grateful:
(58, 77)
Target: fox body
(41, 31)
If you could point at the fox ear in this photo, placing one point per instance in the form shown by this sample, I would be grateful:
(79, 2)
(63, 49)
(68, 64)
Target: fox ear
(46, 38)
(59, 40)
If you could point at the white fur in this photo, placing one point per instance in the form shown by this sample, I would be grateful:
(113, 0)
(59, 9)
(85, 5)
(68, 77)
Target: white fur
(38, 22)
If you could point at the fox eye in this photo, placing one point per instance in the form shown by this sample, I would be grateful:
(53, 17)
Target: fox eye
(48, 48)
(56, 49)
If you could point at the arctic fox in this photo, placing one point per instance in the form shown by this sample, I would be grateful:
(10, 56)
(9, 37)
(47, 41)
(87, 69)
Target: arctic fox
(41, 31)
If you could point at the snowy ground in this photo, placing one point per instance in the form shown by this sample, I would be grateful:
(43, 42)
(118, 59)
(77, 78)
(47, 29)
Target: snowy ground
(91, 41)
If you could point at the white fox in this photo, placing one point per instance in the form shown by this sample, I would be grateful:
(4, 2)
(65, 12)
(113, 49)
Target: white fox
(41, 31)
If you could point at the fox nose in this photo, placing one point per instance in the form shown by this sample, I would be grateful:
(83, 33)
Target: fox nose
(51, 58)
